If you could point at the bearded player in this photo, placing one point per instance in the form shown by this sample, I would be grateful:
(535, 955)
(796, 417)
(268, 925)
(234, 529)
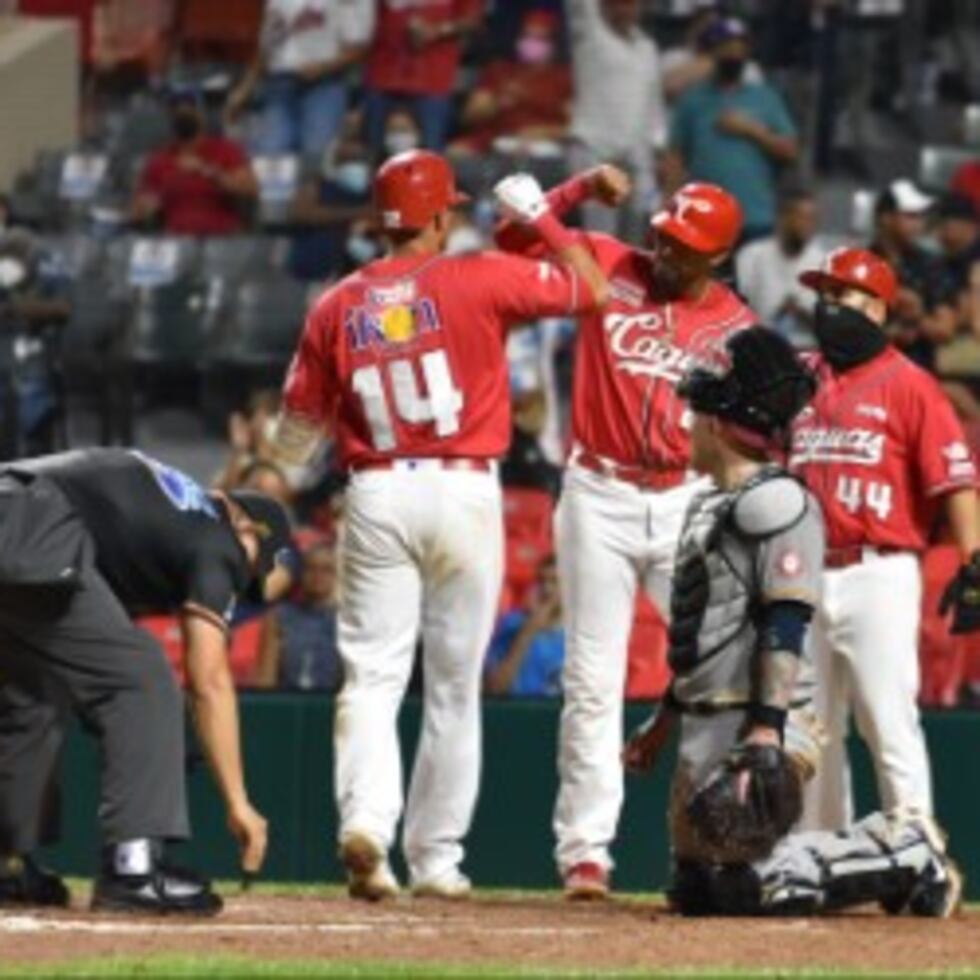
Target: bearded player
(748, 578)
(405, 361)
(882, 450)
(627, 485)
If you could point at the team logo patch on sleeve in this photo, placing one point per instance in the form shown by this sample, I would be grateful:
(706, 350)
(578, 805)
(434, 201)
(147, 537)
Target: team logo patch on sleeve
(959, 461)
(790, 564)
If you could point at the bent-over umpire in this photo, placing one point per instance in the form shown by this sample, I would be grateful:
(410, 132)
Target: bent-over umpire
(87, 540)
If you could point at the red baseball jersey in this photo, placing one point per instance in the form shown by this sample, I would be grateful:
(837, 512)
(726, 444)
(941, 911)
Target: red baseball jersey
(631, 354)
(878, 446)
(406, 357)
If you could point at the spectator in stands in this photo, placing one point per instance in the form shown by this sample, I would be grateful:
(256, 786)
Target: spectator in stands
(966, 181)
(305, 53)
(268, 478)
(248, 438)
(401, 133)
(733, 132)
(413, 62)
(958, 234)
(525, 97)
(528, 648)
(924, 315)
(196, 184)
(298, 648)
(617, 109)
(325, 209)
(767, 270)
(526, 464)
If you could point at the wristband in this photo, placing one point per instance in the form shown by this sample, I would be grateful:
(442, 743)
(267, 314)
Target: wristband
(769, 716)
(552, 232)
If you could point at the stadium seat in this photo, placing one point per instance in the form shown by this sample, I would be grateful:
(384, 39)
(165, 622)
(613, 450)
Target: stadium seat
(971, 124)
(234, 257)
(647, 673)
(77, 256)
(167, 329)
(937, 164)
(265, 320)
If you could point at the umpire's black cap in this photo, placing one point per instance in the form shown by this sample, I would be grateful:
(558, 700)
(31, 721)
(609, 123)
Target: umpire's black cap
(763, 388)
(272, 524)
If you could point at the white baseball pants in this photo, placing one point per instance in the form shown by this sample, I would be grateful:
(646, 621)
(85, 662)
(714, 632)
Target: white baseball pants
(864, 642)
(422, 552)
(611, 536)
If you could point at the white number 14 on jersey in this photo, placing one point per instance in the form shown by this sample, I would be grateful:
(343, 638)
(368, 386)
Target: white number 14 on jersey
(440, 404)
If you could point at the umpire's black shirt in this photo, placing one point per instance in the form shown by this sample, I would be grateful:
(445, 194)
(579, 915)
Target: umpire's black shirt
(161, 542)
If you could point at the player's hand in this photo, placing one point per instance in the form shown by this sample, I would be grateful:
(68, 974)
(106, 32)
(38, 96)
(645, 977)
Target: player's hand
(610, 185)
(962, 596)
(251, 830)
(520, 198)
(735, 123)
(643, 747)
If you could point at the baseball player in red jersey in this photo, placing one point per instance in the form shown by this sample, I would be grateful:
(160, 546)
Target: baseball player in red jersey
(881, 449)
(404, 360)
(627, 485)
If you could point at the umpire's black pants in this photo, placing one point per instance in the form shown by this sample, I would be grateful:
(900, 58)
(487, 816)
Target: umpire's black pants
(76, 649)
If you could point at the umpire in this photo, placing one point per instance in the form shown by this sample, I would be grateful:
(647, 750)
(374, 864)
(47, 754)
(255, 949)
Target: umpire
(745, 586)
(87, 540)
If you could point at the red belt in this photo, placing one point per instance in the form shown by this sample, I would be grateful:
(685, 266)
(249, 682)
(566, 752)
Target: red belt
(639, 476)
(449, 463)
(854, 554)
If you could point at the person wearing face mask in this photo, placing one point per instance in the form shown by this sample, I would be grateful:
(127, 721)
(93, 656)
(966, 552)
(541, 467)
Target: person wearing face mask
(767, 271)
(195, 184)
(329, 209)
(882, 450)
(413, 61)
(733, 132)
(627, 483)
(526, 97)
(89, 539)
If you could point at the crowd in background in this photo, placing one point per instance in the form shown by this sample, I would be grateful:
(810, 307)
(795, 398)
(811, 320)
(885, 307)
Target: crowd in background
(772, 100)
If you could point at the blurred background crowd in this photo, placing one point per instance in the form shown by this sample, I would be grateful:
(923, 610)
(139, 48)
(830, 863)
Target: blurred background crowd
(155, 269)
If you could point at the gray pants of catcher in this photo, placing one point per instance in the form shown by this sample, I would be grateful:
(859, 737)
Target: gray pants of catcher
(76, 650)
(878, 859)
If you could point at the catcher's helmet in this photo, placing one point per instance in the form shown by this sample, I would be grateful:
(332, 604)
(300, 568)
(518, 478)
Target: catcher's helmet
(272, 525)
(855, 267)
(411, 188)
(702, 216)
(763, 389)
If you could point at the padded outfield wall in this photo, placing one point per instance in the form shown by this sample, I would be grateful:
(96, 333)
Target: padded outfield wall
(289, 757)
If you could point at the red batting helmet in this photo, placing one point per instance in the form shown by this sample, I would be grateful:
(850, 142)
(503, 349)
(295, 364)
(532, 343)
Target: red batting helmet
(856, 267)
(702, 216)
(411, 188)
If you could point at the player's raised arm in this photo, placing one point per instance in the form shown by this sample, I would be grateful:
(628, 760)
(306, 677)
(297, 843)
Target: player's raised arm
(605, 183)
(521, 200)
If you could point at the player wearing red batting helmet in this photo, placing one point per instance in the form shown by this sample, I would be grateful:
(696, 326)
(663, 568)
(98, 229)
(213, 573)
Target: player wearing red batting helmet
(883, 451)
(627, 484)
(405, 362)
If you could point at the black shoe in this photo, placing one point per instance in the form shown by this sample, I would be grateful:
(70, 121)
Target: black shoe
(165, 891)
(24, 882)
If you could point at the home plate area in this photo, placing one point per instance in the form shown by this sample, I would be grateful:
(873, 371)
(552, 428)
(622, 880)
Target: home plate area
(532, 932)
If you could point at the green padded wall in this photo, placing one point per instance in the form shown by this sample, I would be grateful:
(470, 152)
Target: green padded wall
(289, 757)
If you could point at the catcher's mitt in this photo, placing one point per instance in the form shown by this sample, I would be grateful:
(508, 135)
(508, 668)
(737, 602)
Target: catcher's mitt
(748, 803)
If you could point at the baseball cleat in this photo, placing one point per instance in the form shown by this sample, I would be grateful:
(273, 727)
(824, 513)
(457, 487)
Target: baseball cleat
(586, 882)
(939, 891)
(24, 882)
(453, 886)
(164, 891)
(369, 876)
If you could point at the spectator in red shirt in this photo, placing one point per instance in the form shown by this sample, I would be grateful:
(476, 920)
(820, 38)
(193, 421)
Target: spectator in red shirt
(413, 60)
(527, 96)
(966, 181)
(195, 184)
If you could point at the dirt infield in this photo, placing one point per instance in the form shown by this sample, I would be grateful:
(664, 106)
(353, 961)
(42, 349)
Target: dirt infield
(532, 932)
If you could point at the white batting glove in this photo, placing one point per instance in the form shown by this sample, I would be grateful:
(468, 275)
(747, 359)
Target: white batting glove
(520, 198)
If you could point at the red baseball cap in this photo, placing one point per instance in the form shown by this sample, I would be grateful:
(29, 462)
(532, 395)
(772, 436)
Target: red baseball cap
(411, 188)
(855, 267)
(702, 216)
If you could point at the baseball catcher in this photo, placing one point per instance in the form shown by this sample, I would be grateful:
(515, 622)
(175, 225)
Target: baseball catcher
(744, 590)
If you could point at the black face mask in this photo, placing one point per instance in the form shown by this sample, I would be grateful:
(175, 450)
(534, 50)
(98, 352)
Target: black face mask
(729, 70)
(186, 126)
(846, 337)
